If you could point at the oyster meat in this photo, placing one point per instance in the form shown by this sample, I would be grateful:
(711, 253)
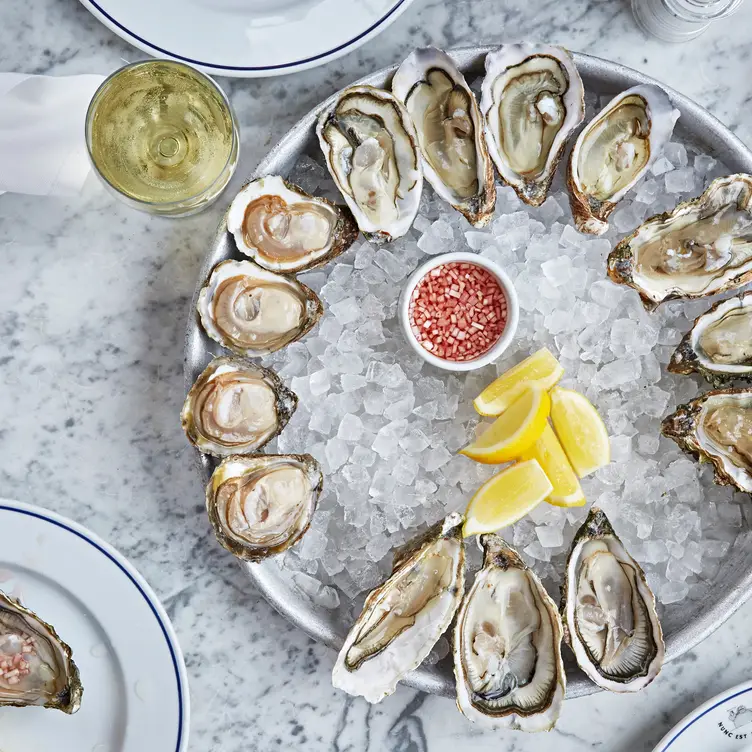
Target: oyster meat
(370, 146)
(701, 248)
(403, 618)
(235, 407)
(253, 311)
(507, 646)
(532, 100)
(261, 505)
(719, 345)
(36, 666)
(449, 127)
(609, 613)
(284, 229)
(717, 427)
(613, 152)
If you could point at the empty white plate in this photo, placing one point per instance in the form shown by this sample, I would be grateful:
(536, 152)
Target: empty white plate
(247, 37)
(723, 724)
(135, 686)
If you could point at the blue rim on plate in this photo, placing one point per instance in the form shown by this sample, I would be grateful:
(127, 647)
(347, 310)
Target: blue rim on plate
(150, 598)
(281, 67)
(696, 715)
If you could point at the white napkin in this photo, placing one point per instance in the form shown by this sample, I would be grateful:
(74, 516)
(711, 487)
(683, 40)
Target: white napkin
(42, 141)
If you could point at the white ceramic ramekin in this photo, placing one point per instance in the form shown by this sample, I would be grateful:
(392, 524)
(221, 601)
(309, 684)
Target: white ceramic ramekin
(513, 311)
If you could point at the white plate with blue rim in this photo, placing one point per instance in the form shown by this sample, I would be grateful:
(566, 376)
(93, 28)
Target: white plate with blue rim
(248, 38)
(722, 724)
(135, 685)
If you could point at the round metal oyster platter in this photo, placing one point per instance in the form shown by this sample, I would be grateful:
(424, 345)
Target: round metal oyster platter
(685, 623)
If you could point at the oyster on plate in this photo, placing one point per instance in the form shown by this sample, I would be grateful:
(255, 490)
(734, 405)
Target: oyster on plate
(719, 345)
(253, 311)
(263, 504)
(371, 150)
(507, 646)
(284, 229)
(613, 152)
(717, 427)
(701, 248)
(449, 127)
(532, 99)
(609, 613)
(36, 666)
(404, 617)
(235, 407)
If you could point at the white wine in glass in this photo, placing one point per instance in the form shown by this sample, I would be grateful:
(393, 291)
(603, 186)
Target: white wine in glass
(163, 136)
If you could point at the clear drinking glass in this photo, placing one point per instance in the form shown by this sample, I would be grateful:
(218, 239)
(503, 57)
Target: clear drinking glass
(162, 137)
(680, 20)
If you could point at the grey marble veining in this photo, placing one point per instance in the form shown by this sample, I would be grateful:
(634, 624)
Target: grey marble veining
(94, 300)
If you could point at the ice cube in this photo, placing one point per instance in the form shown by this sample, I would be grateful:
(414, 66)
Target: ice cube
(550, 536)
(647, 191)
(400, 408)
(406, 470)
(321, 420)
(393, 267)
(346, 311)
(680, 181)
(676, 153)
(350, 428)
(337, 453)
(661, 166)
(330, 329)
(374, 402)
(648, 444)
(319, 382)
(570, 238)
(435, 458)
(673, 592)
(352, 381)
(704, 164)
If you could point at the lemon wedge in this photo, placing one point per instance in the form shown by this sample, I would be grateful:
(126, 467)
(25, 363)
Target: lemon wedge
(519, 426)
(551, 457)
(580, 430)
(541, 369)
(506, 498)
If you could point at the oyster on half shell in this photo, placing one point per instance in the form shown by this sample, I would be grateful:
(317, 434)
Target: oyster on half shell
(371, 150)
(613, 152)
(36, 666)
(449, 127)
(235, 407)
(701, 248)
(253, 311)
(507, 646)
(403, 618)
(717, 427)
(719, 345)
(609, 612)
(532, 99)
(284, 229)
(263, 504)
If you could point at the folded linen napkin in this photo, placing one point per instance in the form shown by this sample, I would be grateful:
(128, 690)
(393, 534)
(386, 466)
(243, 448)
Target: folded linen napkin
(42, 141)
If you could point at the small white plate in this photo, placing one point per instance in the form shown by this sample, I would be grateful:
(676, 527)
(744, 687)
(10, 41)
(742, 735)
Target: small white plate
(248, 38)
(723, 724)
(135, 685)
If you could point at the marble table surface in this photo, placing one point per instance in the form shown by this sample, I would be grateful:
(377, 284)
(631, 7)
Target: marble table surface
(94, 302)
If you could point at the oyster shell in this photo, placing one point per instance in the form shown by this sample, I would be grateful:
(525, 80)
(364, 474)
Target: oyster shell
(613, 152)
(261, 505)
(253, 311)
(403, 618)
(701, 248)
(36, 666)
(507, 646)
(532, 99)
(609, 613)
(719, 345)
(450, 132)
(284, 229)
(235, 407)
(717, 427)
(370, 147)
